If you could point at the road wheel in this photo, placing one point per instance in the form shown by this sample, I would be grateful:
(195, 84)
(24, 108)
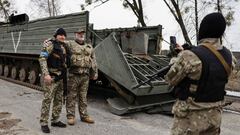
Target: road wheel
(23, 74)
(1, 69)
(6, 70)
(33, 76)
(14, 72)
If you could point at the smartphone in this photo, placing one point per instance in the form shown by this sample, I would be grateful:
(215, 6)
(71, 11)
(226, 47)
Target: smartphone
(173, 41)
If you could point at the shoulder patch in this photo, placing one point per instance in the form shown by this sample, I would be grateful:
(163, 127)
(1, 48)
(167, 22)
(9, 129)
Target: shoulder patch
(44, 54)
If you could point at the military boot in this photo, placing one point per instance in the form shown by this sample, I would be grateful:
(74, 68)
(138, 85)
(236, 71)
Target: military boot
(71, 120)
(87, 119)
(58, 124)
(45, 129)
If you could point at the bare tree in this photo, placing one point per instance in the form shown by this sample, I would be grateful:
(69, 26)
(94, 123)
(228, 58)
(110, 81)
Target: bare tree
(137, 8)
(191, 11)
(226, 7)
(4, 9)
(97, 3)
(55, 7)
(196, 18)
(218, 6)
(174, 8)
(135, 5)
(50, 7)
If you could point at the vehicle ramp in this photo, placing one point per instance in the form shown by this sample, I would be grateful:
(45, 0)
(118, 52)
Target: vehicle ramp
(124, 71)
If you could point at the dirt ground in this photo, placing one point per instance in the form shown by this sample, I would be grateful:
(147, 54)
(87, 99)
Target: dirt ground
(8, 125)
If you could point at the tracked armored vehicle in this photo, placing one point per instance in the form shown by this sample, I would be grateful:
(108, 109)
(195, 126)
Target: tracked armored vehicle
(125, 56)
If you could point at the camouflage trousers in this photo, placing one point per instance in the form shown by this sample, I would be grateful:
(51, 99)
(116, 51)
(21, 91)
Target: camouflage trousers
(198, 122)
(53, 92)
(77, 92)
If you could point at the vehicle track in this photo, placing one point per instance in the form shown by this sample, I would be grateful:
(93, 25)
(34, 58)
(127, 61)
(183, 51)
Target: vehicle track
(22, 83)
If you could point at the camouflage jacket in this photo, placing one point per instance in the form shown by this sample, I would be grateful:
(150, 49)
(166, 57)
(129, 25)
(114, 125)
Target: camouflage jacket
(187, 64)
(45, 54)
(83, 59)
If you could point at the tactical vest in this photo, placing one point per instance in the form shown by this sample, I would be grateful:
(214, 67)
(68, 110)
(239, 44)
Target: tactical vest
(59, 58)
(81, 55)
(211, 86)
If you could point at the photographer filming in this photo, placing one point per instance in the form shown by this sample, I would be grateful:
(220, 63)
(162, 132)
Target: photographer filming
(199, 76)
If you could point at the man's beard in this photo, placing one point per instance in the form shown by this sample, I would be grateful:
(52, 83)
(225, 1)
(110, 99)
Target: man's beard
(80, 41)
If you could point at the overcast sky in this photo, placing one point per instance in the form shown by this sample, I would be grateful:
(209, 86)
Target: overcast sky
(113, 15)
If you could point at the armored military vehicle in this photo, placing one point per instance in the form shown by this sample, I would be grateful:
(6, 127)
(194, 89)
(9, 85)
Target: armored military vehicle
(126, 57)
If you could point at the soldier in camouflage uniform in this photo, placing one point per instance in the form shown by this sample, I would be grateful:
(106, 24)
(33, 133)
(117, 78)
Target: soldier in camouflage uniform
(52, 60)
(83, 67)
(199, 79)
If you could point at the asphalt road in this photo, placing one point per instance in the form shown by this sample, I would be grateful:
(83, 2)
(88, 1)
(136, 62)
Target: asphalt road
(21, 107)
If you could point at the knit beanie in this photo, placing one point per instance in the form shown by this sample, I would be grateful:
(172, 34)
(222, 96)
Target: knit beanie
(60, 31)
(212, 26)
